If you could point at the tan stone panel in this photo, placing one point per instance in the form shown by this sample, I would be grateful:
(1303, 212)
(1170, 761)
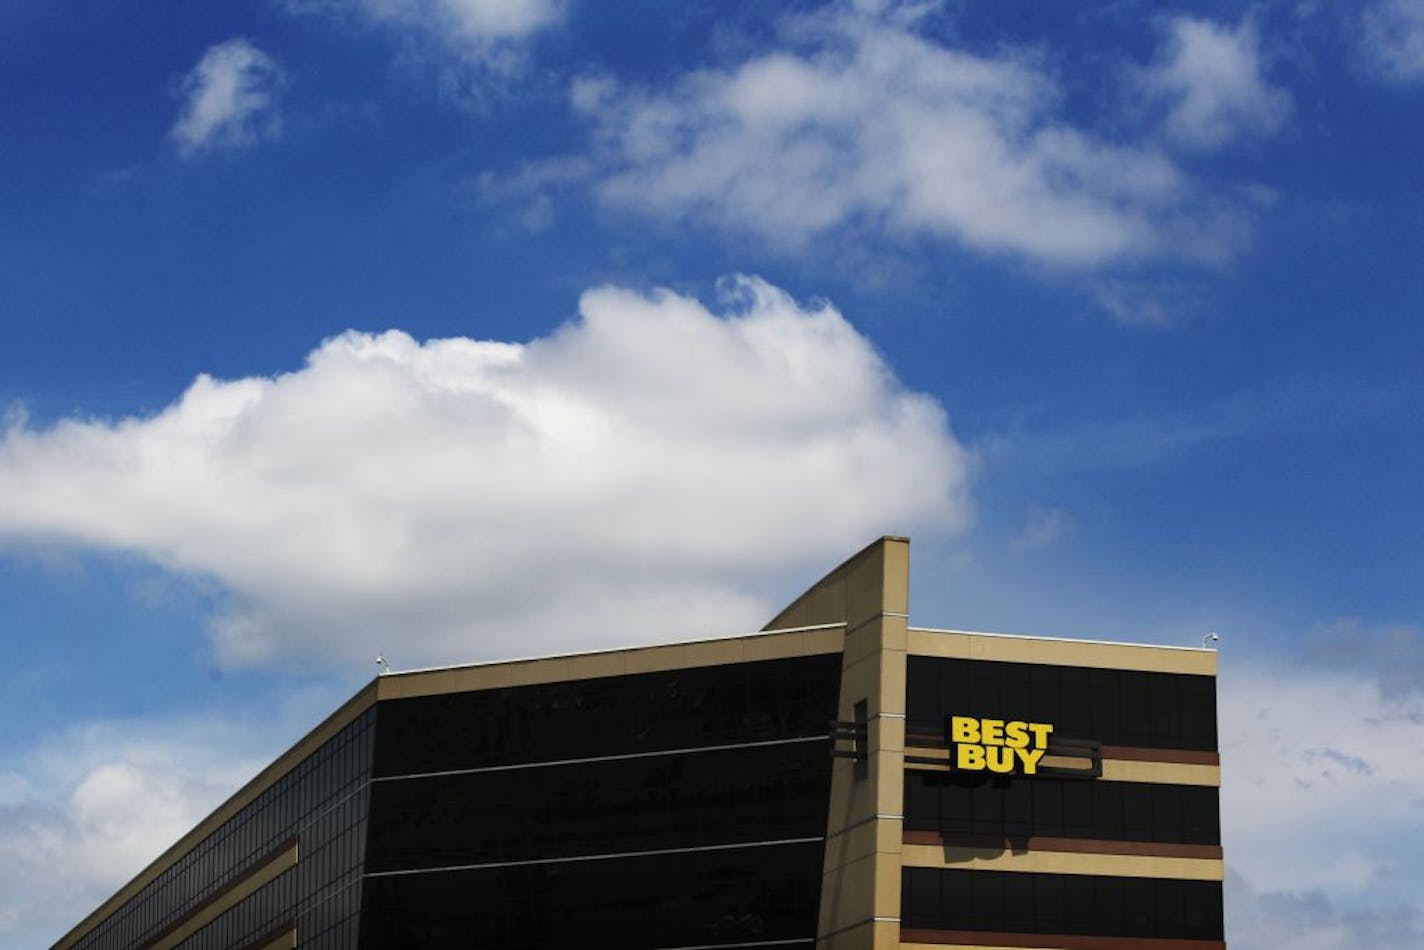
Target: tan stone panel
(850, 892)
(1162, 773)
(1067, 762)
(1021, 649)
(890, 783)
(894, 633)
(852, 801)
(856, 842)
(774, 646)
(654, 659)
(435, 682)
(862, 642)
(887, 933)
(893, 673)
(591, 666)
(860, 937)
(713, 652)
(887, 733)
(954, 646)
(532, 672)
(795, 615)
(887, 886)
(929, 752)
(1059, 862)
(827, 603)
(609, 663)
(845, 589)
(287, 940)
(860, 800)
(870, 935)
(884, 836)
(860, 679)
(865, 589)
(890, 837)
(824, 641)
(896, 554)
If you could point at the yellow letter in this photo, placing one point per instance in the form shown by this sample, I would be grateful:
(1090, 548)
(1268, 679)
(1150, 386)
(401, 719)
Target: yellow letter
(963, 729)
(1029, 758)
(1017, 735)
(971, 758)
(1000, 759)
(993, 732)
(1040, 732)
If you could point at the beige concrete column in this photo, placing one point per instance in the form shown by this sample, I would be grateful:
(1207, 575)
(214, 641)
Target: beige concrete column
(860, 889)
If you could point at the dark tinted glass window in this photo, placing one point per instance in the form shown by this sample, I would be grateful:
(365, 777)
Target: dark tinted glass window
(1115, 707)
(956, 803)
(1070, 904)
(741, 702)
(745, 897)
(661, 801)
(321, 805)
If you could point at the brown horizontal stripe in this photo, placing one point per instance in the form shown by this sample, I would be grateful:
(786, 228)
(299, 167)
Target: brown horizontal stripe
(1177, 756)
(922, 745)
(988, 938)
(1072, 845)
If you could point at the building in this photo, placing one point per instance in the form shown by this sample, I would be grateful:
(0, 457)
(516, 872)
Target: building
(839, 780)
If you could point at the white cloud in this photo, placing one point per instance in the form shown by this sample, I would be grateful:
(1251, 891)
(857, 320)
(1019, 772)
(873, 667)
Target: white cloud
(861, 122)
(1211, 76)
(1393, 656)
(1312, 921)
(530, 188)
(460, 21)
(229, 99)
(1322, 797)
(87, 810)
(1042, 528)
(650, 470)
(1392, 39)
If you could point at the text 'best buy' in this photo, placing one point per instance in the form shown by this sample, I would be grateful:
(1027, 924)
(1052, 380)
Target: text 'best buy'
(997, 745)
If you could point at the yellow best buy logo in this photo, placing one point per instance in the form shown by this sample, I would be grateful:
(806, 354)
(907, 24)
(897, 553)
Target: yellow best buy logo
(997, 745)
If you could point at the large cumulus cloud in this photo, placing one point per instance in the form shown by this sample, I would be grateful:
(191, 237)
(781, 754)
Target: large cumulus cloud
(650, 469)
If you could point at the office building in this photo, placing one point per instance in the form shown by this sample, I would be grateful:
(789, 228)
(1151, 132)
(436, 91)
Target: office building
(841, 780)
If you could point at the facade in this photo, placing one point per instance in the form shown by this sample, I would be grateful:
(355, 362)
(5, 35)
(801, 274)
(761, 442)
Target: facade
(840, 780)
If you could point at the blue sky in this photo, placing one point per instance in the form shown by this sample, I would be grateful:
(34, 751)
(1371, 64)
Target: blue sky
(344, 326)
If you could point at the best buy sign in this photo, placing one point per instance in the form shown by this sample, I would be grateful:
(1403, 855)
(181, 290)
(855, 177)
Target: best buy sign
(997, 745)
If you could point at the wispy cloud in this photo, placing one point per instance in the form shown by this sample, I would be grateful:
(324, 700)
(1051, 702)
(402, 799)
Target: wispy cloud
(1301, 750)
(229, 100)
(82, 812)
(1043, 527)
(484, 37)
(1267, 919)
(1391, 39)
(457, 499)
(1212, 82)
(861, 122)
(1394, 656)
(1134, 439)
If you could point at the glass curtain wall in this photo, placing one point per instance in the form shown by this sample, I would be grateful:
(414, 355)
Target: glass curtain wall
(320, 808)
(675, 809)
